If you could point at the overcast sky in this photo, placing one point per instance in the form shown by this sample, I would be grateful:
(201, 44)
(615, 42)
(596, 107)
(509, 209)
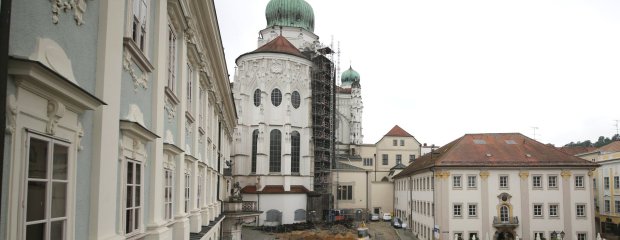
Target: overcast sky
(441, 69)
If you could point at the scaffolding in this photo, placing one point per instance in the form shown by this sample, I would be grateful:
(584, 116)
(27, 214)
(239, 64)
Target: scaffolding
(323, 115)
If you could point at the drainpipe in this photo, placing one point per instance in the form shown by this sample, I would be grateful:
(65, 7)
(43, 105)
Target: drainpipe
(367, 194)
(5, 25)
(434, 188)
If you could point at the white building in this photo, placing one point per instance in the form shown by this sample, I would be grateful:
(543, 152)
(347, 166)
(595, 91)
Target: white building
(349, 109)
(497, 186)
(120, 120)
(274, 143)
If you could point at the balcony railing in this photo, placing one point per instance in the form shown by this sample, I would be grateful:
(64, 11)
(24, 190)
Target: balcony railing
(249, 206)
(512, 222)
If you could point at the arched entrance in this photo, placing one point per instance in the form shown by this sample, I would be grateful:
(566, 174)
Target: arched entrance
(504, 235)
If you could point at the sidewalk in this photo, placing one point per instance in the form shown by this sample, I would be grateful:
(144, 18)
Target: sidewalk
(404, 234)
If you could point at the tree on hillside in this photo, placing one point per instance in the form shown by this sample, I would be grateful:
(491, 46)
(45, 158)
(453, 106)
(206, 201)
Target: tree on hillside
(601, 141)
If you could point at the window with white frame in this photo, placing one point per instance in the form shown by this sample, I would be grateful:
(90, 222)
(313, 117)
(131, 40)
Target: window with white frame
(394, 142)
(402, 142)
(553, 210)
(411, 157)
(456, 181)
(187, 191)
(201, 106)
(605, 182)
(503, 181)
(617, 206)
(537, 181)
(367, 161)
(168, 192)
(385, 159)
(133, 197)
(579, 182)
(456, 210)
(540, 235)
(607, 206)
(581, 210)
(472, 210)
(399, 159)
(538, 210)
(616, 182)
(471, 181)
(172, 57)
(199, 191)
(139, 23)
(473, 235)
(582, 236)
(47, 179)
(552, 181)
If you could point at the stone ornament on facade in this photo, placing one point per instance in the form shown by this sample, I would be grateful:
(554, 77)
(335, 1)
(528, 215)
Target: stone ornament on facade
(138, 81)
(168, 137)
(134, 114)
(170, 109)
(524, 174)
(484, 175)
(55, 111)
(51, 54)
(78, 7)
(80, 134)
(566, 174)
(11, 114)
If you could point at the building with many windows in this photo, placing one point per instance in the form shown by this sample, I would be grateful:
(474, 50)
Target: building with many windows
(119, 120)
(363, 174)
(497, 186)
(606, 183)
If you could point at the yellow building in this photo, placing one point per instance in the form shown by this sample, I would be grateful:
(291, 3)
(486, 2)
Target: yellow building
(606, 188)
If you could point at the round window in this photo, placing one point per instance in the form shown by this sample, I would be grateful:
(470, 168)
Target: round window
(296, 99)
(276, 97)
(257, 97)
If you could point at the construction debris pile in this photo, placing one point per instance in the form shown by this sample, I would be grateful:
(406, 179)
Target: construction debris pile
(314, 232)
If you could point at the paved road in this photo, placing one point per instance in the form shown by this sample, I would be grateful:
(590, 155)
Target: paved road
(382, 231)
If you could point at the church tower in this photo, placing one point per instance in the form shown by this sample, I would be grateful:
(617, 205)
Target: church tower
(349, 109)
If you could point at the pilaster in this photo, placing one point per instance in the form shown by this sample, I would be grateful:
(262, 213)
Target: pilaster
(484, 187)
(525, 205)
(567, 205)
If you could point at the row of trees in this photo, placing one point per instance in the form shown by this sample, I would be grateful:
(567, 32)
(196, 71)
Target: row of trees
(602, 141)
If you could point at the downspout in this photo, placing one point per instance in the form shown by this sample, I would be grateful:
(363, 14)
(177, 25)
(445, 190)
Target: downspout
(375, 156)
(367, 194)
(5, 25)
(434, 188)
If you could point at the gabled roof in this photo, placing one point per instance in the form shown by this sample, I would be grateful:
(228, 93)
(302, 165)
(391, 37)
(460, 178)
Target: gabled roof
(609, 148)
(576, 150)
(279, 45)
(495, 150)
(396, 131)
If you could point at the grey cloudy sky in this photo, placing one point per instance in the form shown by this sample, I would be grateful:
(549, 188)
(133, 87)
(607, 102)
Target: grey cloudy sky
(442, 68)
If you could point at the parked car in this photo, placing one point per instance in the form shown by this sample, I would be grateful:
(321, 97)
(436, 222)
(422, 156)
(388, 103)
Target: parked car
(387, 216)
(403, 225)
(396, 222)
(374, 217)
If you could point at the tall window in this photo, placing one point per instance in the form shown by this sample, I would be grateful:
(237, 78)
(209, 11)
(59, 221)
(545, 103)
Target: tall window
(581, 236)
(254, 149)
(295, 99)
(172, 57)
(187, 191)
(295, 152)
(168, 191)
(46, 199)
(471, 181)
(257, 93)
(201, 107)
(199, 191)
(537, 181)
(552, 181)
(275, 150)
(276, 97)
(399, 159)
(607, 206)
(579, 182)
(504, 214)
(138, 26)
(385, 159)
(395, 142)
(190, 86)
(503, 181)
(472, 210)
(133, 203)
(411, 158)
(617, 206)
(616, 182)
(345, 192)
(367, 161)
(605, 182)
(402, 142)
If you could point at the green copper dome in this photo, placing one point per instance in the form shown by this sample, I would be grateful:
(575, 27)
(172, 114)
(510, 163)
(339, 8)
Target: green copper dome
(349, 76)
(290, 13)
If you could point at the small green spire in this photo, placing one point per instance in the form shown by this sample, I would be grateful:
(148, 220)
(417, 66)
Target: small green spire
(290, 13)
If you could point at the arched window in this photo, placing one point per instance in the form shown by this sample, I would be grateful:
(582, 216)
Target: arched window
(275, 150)
(295, 155)
(257, 97)
(254, 149)
(503, 214)
(276, 97)
(295, 99)
(300, 215)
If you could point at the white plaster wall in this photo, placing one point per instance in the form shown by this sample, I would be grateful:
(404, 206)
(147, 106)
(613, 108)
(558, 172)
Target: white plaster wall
(286, 203)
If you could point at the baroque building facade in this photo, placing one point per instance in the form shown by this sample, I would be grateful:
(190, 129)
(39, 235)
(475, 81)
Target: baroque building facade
(119, 122)
(497, 186)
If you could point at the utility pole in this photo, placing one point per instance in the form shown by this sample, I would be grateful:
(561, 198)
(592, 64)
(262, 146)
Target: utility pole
(616, 125)
(534, 128)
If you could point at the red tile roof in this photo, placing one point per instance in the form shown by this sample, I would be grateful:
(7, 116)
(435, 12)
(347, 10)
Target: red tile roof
(495, 150)
(274, 189)
(611, 147)
(343, 90)
(398, 132)
(279, 45)
(576, 150)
